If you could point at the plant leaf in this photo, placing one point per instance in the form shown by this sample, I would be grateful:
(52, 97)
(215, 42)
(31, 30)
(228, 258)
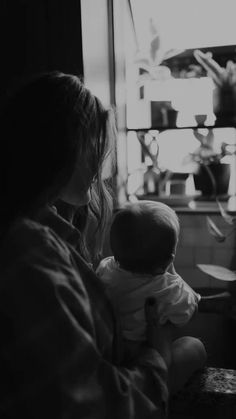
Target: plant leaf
(143, 63)
(214, 230)
(228, 218)
(142, 79)
(145, 147)
(154, 47)
(172, 52)
(209, 64)
(218, 272)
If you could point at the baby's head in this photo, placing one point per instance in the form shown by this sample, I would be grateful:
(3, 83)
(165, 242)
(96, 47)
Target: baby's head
(144, 236)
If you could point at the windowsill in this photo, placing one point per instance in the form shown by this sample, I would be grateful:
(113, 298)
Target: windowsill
(183, 204)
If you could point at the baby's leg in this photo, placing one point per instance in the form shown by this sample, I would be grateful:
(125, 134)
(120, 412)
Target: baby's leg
(188, 356)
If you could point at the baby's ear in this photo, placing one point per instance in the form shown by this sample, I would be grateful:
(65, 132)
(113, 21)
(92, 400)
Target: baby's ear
(170, 262)
(172, 258)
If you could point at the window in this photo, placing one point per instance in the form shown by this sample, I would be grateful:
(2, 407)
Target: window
(167, 91)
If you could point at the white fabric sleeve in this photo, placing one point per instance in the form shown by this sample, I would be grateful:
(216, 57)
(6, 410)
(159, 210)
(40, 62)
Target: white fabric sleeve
(181, 303)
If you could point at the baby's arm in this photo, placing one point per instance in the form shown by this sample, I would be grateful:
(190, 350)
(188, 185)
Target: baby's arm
(186, 287)
(184, 300)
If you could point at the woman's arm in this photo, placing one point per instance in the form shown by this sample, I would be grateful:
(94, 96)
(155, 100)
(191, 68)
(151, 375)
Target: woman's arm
(53, 366)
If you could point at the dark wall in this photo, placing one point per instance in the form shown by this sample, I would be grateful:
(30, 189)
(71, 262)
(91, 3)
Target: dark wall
(39, 35)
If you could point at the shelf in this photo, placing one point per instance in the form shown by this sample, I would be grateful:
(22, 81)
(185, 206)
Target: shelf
(161, 128)
(191, 204)
(173, 200)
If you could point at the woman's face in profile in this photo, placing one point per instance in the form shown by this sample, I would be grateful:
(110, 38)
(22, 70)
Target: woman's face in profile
(77, 191)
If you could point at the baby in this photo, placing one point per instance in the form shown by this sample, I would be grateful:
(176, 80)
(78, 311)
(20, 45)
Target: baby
(143, 239)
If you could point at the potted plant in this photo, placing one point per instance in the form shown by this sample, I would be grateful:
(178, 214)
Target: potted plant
(151, 64)
(225, 110)
(150, 61)
(224, 94)
(224, 103)
(211, 175)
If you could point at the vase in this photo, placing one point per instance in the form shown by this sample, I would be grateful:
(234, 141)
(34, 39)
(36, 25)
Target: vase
(212, 179)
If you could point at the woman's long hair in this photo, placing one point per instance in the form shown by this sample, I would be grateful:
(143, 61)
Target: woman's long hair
(50, 125)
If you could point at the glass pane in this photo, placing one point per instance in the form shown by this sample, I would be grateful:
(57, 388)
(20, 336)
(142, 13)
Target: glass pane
(166, 86)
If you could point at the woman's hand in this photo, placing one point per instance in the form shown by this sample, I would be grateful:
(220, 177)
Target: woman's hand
(159, 337)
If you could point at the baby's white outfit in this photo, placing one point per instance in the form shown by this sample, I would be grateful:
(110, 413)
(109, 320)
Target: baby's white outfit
(176, 300)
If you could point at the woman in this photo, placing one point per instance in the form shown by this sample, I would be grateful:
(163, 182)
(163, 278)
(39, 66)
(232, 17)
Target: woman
(60, 352)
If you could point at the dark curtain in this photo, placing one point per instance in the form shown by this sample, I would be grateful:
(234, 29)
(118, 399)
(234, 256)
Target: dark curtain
(39, 35)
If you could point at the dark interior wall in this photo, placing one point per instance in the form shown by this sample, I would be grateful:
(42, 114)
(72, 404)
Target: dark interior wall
(39, 35)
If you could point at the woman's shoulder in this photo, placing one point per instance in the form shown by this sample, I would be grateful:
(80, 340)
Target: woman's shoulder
(28, 238)
(25, 227)
(33, 257)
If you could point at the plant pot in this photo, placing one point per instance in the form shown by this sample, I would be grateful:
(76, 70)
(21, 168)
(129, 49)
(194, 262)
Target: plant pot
(224, 105)
(212, 179)
(176, 184)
